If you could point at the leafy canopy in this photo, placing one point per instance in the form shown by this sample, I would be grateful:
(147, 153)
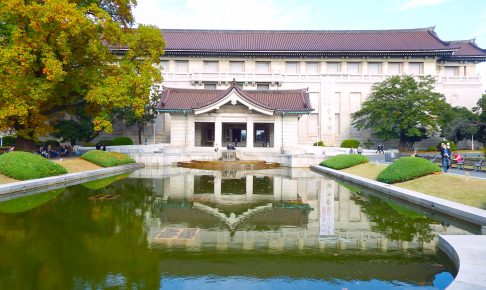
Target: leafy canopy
(54, 57)
(404, 108)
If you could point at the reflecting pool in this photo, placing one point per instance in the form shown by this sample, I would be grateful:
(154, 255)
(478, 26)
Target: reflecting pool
(178, 228)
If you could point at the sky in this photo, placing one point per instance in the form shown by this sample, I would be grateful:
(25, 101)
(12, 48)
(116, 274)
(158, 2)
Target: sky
(453, 19)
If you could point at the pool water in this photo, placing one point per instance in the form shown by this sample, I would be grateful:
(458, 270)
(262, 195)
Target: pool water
(177, 228)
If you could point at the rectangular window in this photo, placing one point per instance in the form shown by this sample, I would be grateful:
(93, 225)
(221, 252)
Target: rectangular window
(416, 68)
(354, 68)
(209, 86)
(451, 71)
(211, 66)
(395, 68)
(182, 66)
(333, 67)
(292, 67)
(237, 66)
(374, 68)
(312, 68)
(263, 87)
(262, 66)
(164, 65)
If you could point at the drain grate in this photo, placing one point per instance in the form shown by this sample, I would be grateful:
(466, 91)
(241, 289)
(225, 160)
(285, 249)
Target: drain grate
(177, 234)
(104, 196)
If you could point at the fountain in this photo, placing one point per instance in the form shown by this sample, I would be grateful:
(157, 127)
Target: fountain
(228, 162)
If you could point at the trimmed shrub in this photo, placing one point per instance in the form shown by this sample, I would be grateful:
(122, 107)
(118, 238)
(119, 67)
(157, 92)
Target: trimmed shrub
(9, 140)
(89, 144)
(407, 168)
(107, 159)
(453, 145)
(344, 161)
(319, 143)
(25, 166)
(350, 143)
(122, 141)
(431, 148)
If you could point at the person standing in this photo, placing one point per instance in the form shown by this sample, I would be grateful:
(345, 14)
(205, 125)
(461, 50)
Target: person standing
(449, 153)
(360, 150)
(445, 157)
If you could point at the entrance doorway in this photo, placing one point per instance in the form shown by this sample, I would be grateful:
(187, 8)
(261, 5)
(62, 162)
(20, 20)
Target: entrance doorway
(204, 134)
(234, 133)
(264, 135)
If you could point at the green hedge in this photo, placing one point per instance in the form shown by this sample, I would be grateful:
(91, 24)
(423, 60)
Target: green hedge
(107, 159)
(122, 141)
(344, 161)
(319, 143)
(350, 143)
(407, 168)
(25, 166)
(9, 140)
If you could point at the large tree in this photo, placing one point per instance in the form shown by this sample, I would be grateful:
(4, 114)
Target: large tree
(131, 118)
(55, 58)
(460, 124)
(480, 110)
(404, 108)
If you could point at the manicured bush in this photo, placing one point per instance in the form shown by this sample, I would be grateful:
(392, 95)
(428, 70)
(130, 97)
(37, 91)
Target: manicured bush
(453, 145)
(89, 144)
(350, 143)
(432, 148)
(107, 159)
(319, 143)
(122, 141)
(25, 166)
(407, 168)
(344, 161)
(9, 140)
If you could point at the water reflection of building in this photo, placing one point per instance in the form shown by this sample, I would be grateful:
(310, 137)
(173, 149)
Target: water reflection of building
(272, 209)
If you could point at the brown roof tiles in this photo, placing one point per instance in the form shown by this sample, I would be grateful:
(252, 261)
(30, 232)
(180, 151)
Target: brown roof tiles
(175, 99)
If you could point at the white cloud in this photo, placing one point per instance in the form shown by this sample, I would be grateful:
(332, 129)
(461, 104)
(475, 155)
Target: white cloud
(411, 4)
(221, 14)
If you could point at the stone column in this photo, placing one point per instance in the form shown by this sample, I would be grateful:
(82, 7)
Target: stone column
(218, 132)
(249, 130)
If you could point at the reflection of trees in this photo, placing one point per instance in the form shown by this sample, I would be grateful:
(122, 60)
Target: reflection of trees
(75, 242)
(394, 221)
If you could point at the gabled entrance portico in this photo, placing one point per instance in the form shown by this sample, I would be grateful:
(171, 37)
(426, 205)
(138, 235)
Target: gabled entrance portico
(246, 119)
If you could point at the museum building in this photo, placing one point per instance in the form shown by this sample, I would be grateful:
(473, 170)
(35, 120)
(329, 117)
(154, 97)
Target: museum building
(282, 89)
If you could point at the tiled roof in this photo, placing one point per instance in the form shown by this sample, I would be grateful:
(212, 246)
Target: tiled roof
(176, 99)
(278, 40)
(466, 48)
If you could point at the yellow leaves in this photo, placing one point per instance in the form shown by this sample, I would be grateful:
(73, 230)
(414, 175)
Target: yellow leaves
(53, 69)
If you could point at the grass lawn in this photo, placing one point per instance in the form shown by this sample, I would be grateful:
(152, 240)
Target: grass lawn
(76, 165)
(367, 170)
(456, 188)
(72, 165)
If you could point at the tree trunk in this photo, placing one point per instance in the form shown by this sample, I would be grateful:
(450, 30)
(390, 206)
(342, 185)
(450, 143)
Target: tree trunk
(405, 146)
(140, 131)
(23, 144)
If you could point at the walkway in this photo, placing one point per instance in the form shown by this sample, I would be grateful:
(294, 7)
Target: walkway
(380, 158)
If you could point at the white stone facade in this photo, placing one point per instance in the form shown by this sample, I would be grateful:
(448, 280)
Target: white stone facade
(337, 87)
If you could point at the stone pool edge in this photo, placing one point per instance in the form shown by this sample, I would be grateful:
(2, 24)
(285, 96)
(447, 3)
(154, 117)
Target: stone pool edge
(467, 252)
(70, 178)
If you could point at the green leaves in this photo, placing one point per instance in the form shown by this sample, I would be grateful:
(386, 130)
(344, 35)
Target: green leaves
(56, 55)
(344, 161)
(407, 168)
(402, 107)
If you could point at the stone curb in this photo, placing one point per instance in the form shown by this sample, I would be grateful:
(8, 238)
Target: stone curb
(66, 179)
(468, 252)
(469, 255)
(463, 212)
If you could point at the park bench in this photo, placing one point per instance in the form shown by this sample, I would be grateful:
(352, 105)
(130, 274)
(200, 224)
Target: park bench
(475, 163)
